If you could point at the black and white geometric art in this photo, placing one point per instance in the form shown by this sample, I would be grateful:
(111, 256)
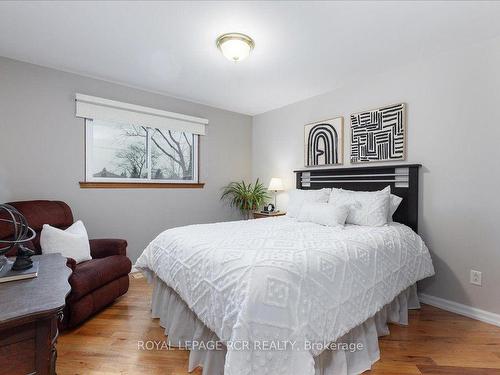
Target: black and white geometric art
(379, 134)
(323, 142)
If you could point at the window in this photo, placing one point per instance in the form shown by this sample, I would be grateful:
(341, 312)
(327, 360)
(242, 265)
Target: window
(126, 144)
(135, 153)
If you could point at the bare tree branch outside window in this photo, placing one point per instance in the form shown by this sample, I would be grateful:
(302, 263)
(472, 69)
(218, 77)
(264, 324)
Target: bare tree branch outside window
(174, 152)
(122, 151)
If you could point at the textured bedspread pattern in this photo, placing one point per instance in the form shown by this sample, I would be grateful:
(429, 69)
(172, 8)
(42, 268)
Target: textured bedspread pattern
(285, 287)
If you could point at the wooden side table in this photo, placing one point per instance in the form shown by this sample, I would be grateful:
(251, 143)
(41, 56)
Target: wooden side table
(29, 312)
(261, 215)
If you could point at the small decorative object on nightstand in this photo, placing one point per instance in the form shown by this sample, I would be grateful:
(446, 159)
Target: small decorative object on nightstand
(260, 214)
(275, 185)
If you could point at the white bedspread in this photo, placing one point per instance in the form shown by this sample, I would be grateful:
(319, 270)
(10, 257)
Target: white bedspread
(285, 285)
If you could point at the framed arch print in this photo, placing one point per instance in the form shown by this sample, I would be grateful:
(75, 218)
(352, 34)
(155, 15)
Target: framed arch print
(324, 142)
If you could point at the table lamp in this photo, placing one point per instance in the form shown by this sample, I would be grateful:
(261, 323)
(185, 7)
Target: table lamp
(275, 185)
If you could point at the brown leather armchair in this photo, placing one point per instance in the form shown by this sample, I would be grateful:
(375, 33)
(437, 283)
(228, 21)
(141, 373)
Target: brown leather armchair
(94, 283)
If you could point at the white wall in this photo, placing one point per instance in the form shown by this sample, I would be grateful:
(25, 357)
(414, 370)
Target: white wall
(42, 156)
(453, 130)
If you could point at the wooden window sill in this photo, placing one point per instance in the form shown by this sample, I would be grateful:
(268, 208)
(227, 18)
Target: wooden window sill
(140, 185)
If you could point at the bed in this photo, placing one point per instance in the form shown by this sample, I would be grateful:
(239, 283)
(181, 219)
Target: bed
(277, 295)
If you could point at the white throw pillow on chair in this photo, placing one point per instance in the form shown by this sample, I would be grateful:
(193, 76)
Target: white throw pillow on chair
(71, 243)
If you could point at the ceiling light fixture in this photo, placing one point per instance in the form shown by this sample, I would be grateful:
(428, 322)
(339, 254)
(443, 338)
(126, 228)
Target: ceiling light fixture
(235, 46)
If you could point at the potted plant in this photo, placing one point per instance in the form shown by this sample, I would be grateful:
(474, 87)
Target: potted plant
(245, 197)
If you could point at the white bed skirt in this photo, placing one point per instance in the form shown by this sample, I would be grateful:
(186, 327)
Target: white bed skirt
(182, 326)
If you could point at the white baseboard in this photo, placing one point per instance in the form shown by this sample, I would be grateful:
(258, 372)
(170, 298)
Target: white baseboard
(458, 308)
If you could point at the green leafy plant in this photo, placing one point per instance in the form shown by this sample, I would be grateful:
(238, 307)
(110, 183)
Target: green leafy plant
(245, 197)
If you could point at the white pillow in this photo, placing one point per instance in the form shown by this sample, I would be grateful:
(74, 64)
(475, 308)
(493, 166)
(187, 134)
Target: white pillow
(394, 204)
(324, 214)
(369, 208)
(71, 243)
(298, 197)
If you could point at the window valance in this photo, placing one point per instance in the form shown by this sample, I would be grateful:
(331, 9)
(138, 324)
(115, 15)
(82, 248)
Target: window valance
(92, 107)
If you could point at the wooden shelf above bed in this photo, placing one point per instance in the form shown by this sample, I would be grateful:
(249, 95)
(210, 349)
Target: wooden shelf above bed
(357, 167)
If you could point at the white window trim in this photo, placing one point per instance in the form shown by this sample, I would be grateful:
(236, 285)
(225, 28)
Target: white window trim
(89, 139)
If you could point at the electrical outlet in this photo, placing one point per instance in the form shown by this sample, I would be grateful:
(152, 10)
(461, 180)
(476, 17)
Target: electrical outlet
(475, 277)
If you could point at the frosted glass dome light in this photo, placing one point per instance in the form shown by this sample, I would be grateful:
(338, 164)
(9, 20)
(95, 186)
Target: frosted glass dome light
(235, 46)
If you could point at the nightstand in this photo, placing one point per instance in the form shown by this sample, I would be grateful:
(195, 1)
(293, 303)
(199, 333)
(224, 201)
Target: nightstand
(260, 215)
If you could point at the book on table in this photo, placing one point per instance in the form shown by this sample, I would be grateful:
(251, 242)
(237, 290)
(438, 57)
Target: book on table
(7, 274)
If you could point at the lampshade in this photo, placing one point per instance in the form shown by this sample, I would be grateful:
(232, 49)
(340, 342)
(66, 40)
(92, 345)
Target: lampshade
(276, 184)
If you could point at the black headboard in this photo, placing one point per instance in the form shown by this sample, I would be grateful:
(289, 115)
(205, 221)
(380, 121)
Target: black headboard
(402, 178)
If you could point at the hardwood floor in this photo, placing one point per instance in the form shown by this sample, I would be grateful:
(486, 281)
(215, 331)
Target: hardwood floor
(435, 342)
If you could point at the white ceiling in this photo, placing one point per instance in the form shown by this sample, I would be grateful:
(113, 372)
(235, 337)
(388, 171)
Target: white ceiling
(302, 48)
